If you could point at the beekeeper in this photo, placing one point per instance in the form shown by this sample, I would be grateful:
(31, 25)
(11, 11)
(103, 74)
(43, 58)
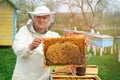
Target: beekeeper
(28, 47)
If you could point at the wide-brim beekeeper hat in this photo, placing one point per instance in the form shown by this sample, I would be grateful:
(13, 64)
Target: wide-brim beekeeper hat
(40, 11)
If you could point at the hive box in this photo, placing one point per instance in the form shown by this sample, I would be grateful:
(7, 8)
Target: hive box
(103, 40)
(62, 73)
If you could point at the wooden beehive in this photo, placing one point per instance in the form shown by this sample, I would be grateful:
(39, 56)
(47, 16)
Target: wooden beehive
(65, 50)
(7, 22)
(61, 73)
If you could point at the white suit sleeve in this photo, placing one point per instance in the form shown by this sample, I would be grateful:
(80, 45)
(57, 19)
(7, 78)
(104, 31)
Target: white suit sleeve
(21, 45)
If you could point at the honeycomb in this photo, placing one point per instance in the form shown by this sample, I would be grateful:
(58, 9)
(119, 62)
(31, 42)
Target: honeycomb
(65, 50)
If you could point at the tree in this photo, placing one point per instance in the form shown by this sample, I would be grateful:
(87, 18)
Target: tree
(92, 10)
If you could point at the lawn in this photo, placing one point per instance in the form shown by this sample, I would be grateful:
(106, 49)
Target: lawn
(109, 68)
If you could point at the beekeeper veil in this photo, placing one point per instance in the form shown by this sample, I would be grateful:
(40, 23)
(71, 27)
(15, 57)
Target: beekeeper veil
(42, 11)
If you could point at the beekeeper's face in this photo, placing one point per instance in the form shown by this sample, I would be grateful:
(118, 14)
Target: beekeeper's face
(41, 23)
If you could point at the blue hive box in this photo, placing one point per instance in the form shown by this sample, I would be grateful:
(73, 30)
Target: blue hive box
(103, 40)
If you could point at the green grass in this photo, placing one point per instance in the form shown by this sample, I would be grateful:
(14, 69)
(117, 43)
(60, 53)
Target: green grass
(7, 63)
(108, 65)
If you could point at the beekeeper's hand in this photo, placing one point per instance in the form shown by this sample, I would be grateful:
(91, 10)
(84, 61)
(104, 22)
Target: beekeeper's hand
(87, 41)
(36, 42)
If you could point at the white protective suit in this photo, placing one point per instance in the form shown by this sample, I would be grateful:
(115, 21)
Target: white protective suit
(30, 64)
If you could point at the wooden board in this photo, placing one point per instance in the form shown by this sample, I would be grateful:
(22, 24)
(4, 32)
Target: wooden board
(86, 77)
(90, 69)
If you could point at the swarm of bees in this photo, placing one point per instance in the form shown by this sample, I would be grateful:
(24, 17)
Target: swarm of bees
(65, 50)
